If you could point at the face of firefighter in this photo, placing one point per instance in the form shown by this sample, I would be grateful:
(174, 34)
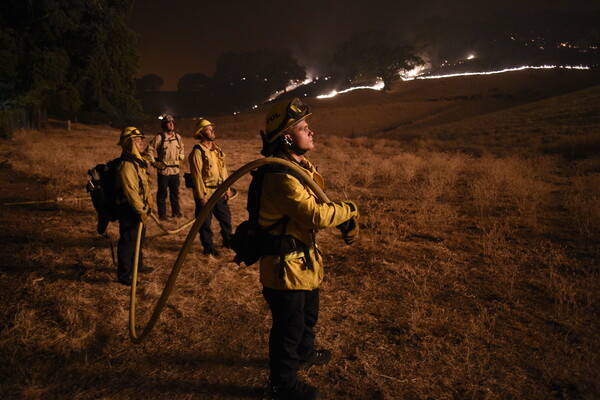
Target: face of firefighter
(169, 126)
(209, 133)
(139, 143)
(302, 137)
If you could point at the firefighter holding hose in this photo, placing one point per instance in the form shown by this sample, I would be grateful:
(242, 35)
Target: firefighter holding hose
(291, 268)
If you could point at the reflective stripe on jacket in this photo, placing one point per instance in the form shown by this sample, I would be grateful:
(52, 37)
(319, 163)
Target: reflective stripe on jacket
(172, 152)
(282, 195)
(208, 170)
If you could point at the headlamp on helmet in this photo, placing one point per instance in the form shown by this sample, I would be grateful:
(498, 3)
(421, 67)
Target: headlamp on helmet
(165, 119)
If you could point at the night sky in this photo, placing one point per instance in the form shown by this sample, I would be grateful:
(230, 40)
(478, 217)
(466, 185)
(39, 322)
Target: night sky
(188, 36)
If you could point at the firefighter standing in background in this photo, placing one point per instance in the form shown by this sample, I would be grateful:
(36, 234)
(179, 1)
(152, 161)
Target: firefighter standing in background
(293, 271)
(134, 202)
(208, 170)
(165, 151)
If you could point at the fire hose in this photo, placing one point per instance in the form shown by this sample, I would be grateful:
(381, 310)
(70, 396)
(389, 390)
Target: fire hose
(162, 301)
(182, 227)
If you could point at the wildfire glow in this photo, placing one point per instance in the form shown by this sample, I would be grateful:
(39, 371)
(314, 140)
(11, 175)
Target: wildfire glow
(413, 73)
(291, 86)
(377, 86)
(416, 73)
(500, 71)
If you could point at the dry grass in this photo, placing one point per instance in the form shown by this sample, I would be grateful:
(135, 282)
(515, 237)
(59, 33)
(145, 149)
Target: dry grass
(476, 274)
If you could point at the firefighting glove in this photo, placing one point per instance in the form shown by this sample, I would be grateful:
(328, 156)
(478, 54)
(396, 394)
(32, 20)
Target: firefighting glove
(145, 214)
(350, 228)
(159, 165)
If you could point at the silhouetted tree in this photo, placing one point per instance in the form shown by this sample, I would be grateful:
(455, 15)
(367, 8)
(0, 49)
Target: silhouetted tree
(193, 82)
(149, 83)
(73, 57)
(370, 55)
(272, 68)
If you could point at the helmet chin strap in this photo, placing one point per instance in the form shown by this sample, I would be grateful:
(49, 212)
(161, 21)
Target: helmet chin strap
(206, 137)
(292, 146)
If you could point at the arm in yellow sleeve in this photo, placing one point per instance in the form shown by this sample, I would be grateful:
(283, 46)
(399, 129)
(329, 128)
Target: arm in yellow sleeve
(129, 181)
(199, 189)
(294, 200)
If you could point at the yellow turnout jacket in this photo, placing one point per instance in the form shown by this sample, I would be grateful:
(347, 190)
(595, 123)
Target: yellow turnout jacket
(133, 180)
(208, 169)
(283, 194)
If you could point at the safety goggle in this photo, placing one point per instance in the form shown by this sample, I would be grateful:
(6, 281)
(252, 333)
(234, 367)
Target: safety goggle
(295, 110)
(134, 133)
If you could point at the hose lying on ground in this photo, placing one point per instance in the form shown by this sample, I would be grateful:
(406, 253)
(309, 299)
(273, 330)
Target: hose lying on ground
(182, 227)
(162, 301)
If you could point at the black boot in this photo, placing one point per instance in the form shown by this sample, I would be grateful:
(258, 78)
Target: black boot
(319, 357)
(298, 391)
(211, 251)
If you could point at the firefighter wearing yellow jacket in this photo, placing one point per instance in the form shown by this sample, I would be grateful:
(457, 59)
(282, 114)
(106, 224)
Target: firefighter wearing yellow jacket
(209, 171)
(134, 201)
(292, 273)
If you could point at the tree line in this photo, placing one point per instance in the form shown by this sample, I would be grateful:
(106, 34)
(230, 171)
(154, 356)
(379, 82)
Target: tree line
(241, 80)
(78, 59)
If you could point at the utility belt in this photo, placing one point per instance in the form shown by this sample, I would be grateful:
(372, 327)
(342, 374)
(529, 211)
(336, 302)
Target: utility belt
(216, 185)
(175, 163)
(276, 245)
(281, 245)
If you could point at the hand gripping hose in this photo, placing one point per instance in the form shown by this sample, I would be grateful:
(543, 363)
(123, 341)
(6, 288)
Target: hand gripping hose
(162, 301)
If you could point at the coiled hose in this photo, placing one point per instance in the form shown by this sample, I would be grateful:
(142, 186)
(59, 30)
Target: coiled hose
(162, 301)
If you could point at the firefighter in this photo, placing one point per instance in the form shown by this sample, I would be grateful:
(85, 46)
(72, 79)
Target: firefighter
(293, 271)
(134, 202)
(208, 170)
(165, 152)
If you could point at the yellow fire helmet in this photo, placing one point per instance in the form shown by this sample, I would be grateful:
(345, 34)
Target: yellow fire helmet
(282, 117)
(203, 123)
(129, 132)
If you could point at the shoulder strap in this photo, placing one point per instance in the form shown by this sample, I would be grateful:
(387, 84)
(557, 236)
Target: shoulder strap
(161, 148)
(278, 168)
(204, 158)
(123, 158)
(197, 146)
(255, 194)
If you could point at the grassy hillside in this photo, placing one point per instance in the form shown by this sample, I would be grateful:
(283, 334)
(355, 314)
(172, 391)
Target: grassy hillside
(476, 274)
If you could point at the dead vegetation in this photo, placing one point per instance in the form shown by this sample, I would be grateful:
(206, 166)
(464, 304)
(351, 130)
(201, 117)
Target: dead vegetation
(476, 275)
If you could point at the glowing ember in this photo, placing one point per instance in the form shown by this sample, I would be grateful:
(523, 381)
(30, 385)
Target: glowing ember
(378, 86)
(413, 73)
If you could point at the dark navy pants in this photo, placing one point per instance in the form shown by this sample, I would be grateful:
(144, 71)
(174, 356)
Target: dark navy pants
(291, 341)
(170, 183)
(223, 215)
(128, 224)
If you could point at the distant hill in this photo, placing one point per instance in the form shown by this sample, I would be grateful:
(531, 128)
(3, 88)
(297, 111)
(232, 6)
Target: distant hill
(417, 107)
